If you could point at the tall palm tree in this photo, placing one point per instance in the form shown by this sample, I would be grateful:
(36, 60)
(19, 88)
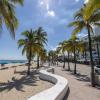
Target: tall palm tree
(57, 53)
(90, 7)
(85, 49)
(75, 45)
(51, 57)
(41, 39)
(43, 55)
(55, 57)
(80, 23)
(29, 46)
(62, 47)
(65, 47)
(7, 14)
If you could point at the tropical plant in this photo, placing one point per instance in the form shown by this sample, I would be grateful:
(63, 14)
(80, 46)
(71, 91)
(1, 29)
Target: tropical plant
(90, 7)
(85, 49)
(80, 23)
(65, 47)
(29, 46)
(51, 57)
(55, 57)
(41, 39)
(75, 45)
(62, 48)
(57, 54)
(7, 15)
(43, 55)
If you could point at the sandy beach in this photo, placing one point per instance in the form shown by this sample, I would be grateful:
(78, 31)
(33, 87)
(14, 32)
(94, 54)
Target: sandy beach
(16, 85)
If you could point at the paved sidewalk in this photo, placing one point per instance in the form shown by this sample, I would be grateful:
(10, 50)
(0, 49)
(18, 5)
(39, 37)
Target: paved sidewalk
(80, 89)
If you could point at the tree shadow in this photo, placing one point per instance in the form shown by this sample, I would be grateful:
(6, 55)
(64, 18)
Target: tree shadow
(80, 77)
(97, 87)
(84, 78)
(18, 84)
(3, 68)
(32, 73)
(67, 94)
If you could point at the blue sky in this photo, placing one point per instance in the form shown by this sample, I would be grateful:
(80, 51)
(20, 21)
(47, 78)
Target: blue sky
(52, 15)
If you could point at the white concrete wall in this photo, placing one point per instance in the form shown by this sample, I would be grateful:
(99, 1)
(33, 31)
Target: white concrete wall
(57, 92)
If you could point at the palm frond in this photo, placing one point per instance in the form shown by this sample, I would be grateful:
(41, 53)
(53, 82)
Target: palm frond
(97, 24)
(78, 15)
(21, 43)
(91, 6)
(17, 1)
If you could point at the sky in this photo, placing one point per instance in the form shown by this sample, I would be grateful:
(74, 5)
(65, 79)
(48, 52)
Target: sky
(52, 15)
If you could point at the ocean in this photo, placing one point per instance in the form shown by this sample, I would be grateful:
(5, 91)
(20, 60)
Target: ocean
(12, 61)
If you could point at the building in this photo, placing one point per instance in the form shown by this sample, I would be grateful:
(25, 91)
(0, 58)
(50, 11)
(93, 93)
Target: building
(94, 44)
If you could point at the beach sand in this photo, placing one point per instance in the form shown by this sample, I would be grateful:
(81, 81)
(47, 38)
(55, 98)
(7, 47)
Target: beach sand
(16, 85)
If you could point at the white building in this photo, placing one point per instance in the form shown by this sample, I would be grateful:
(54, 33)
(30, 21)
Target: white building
(94, 45)
(97, 31)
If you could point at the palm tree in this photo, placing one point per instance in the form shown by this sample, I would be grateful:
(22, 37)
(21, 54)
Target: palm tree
(75, 45)
(90, 7)
(80, 23)
(55, 57)
(7, 15)
(65, 47)
(62, 47)
(68, 61)
(43, 55)
(29, 46)
(57, 54)
(41, 39)
(51, 57)
(85, 46)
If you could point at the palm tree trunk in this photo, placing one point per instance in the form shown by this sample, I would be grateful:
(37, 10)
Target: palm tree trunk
(57, 60)
(29, 63)
(49, 61)
(98, 52)
(38, 65)
(74, 61)
(68, 63)
(64, 62)
(52, 60)
(85, 55)
(91, 59)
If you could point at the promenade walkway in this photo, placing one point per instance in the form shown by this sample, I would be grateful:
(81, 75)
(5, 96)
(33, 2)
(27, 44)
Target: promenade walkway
(79, 85)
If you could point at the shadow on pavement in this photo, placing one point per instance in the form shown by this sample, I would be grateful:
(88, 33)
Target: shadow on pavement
(67, 94)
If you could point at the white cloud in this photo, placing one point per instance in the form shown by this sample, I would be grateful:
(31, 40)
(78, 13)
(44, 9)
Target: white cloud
(77, 0)
(51, 13)
(41, 3)
(46, 5)
(54, 48)
(86, 1)
(81, 35)
(50, 47)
